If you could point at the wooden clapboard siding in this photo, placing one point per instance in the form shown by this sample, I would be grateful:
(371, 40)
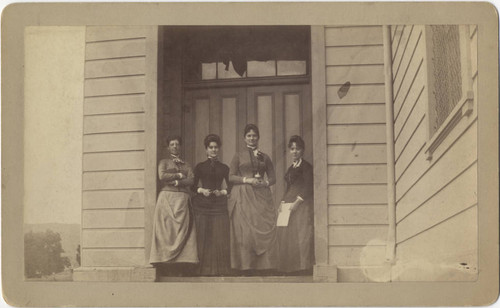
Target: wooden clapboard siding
(119, 96)
(115, 86)
(442, 252)
(357, 214)
(356, 134)
(357, 255)
(409, 127)
(118, 199)
(356, 152)
(109, 123)
(355, 55)
(353, 36)
(355, 74)
(113, 238)
(354, 114)
(110, 257)
(125, 179)
(401, 48)
(113, 33)
(113, 218)
(119, 48)
(357, 174)
(427, 181)
(411, 149)
(413, 52)
(436, 197)
(358, 94)
(454, 197)
(410, 89)
(415, 95)
(369, 235)
(115, 67)
(357, 194)
(113, 161)
(113, 142)
(113, 104)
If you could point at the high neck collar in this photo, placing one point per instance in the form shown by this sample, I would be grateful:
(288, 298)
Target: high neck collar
(297, 163)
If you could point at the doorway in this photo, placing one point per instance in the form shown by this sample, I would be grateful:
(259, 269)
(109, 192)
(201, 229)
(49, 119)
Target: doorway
(218, 79)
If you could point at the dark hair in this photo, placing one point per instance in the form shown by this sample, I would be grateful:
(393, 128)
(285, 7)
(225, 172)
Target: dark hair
(250, 127)
(297, 140)
(174, 137)
(212, 138)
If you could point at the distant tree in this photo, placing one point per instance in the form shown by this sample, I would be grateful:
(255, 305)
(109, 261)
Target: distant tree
(78, 255)
(42, 254)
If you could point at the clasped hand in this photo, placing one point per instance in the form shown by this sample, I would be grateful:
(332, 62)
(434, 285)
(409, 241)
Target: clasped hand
(207, 192)
(257, 182)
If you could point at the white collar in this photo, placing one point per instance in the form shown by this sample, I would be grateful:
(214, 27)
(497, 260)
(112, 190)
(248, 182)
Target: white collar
(297, 163)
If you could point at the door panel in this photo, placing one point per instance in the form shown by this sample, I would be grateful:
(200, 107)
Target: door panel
(229, 131)
(278, 111)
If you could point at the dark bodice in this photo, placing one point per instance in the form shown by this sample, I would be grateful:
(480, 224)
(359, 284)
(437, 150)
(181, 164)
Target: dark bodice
(211, 175)
(299, 182)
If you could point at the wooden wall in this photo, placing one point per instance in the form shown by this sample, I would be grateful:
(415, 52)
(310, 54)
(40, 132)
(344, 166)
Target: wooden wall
(356, 150)
(436, 199)
(118, 150)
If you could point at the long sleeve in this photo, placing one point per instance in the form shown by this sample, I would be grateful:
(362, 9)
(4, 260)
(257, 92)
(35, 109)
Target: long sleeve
(196, 178)
(271, 174)
(228, 183)
(306, 190)
(234, 173)
(189, 180)
(166, 174)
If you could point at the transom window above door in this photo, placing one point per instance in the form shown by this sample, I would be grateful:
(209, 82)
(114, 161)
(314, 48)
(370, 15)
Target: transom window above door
(222, 53)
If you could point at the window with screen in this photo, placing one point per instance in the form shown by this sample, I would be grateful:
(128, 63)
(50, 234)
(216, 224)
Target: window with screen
(449, 79)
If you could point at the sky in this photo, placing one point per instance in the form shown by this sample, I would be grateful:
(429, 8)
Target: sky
(54, 59)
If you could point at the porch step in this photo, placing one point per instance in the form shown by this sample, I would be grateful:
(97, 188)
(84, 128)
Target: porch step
(284, 279)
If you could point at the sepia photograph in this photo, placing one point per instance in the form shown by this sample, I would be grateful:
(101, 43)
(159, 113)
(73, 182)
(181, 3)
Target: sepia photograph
(287, 155)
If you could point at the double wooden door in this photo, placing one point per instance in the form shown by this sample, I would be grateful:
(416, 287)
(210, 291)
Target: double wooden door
(278, 111)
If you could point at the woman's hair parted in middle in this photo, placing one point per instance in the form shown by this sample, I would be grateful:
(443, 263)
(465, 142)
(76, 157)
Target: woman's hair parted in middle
(175, 137)
(250, 127)
(212, 138)
(297, 140)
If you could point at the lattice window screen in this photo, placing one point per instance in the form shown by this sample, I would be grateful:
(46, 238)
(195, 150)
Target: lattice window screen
(447, 71)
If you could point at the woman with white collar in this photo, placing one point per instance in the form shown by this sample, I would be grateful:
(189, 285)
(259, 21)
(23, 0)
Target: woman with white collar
(174, 232)
(251, 210)
(296, 240)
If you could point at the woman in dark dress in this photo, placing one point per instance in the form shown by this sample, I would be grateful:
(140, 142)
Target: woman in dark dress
(211, 215)
(296, 241)
(251, 210)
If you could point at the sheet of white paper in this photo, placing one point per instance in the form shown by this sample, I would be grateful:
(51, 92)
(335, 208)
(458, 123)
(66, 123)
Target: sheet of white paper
(284, 215)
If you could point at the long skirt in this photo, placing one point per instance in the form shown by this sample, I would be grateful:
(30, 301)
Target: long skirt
(296, 241)
(253, 228)
(174, 231)
(212, 226)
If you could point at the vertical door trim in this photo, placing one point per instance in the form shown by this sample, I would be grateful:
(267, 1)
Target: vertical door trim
(151, 134)
(319, 128)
